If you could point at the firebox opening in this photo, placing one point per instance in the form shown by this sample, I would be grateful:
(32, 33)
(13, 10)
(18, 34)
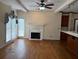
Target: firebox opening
(35, 35)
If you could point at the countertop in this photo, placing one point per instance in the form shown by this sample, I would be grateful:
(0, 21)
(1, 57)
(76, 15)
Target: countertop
(70, 33)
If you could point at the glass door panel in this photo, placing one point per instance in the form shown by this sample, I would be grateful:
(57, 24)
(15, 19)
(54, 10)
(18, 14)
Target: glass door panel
(21, 27)
(14, 29)
(8, 30)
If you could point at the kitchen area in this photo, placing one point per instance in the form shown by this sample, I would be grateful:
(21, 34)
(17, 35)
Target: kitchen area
(69, 28)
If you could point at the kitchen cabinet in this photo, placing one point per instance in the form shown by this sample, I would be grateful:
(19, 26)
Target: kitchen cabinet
(70, 42)
(63, 36)
(65, 21)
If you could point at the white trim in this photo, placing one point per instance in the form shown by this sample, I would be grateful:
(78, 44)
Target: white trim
(52, 39)
(6, 44)
(43, 39)
(36, 39)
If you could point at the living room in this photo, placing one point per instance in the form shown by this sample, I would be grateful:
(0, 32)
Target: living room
(31, 32)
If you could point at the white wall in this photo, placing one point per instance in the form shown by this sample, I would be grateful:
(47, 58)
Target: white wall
(3, 9)
(71, 21)
(50, 20)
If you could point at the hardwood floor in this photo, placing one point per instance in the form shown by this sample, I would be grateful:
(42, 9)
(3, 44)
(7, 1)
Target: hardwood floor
(25, 49)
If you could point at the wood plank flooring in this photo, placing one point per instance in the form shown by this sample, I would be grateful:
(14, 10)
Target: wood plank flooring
(26, 49)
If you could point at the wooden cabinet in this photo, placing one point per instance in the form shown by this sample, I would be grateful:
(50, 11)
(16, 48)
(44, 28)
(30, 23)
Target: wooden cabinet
(72, 44)
(76, 46)
(63, 36)
(65, 21)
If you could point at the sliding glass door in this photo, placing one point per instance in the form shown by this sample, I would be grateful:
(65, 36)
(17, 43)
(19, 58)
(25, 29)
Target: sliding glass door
(14, 28)
(21, 27)
(11, 29)
(8, 30)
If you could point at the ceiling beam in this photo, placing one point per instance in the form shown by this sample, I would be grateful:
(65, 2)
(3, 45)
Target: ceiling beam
(22, 5)
(63, 6)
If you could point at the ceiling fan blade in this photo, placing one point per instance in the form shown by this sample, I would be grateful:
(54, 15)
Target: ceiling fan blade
(48, 7)
(49, 4)
(37, 3)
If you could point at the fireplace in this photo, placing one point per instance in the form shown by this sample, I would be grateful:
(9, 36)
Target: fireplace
(35, 35)
(35, 32)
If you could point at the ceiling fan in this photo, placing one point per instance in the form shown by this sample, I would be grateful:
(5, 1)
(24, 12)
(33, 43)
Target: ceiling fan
(43, 5)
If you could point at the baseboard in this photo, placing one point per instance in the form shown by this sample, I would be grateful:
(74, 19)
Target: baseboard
(44, 39)
(49, 39)
(21, 37)
(7, 44)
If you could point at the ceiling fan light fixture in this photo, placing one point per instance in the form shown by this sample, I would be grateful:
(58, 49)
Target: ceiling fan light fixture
(41, 8)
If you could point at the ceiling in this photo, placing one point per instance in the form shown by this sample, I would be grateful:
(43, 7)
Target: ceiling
(32, 6)
(72, 7)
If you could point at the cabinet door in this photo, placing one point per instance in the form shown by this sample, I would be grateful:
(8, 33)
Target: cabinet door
(63, 36)
(72, 44)
(76, 46)
(65, 21)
